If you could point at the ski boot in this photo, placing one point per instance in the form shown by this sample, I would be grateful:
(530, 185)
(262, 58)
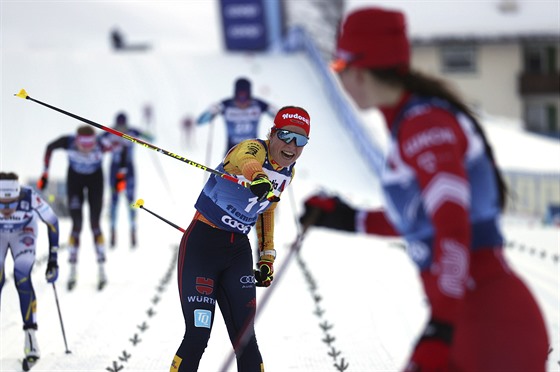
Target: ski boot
(113, 240)
(73, 277)
(31, 349)
(133, 238)
(73, 245)
(102, 277)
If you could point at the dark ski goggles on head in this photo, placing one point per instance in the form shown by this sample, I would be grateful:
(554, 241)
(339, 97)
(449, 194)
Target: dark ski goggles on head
(9, 205)
(287, 136)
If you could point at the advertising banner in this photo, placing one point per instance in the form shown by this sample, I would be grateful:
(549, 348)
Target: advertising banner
(244, 24)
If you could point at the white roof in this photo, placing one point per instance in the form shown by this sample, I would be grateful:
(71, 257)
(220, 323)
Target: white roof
(473, 18)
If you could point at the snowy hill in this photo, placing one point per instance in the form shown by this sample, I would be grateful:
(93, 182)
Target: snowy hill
(373, 313)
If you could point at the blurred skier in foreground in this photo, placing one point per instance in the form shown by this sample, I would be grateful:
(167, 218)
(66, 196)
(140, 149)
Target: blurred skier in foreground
(215, 263)
(444, 196)
(20, 209)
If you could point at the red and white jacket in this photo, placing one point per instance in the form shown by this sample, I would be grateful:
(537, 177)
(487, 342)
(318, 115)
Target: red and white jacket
(442, 195)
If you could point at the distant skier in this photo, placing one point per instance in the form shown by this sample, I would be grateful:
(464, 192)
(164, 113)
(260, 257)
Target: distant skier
(122, 174)
(241, 113)
(187, 130)
(119, 43)
(20, 209)
(215, 262)
(84, 179)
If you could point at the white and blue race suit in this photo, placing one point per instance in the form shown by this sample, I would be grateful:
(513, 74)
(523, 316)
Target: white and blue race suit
(19, 232)
(241, 122)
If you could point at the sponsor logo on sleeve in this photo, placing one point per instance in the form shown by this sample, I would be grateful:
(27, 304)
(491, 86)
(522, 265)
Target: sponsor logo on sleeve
(428, 138)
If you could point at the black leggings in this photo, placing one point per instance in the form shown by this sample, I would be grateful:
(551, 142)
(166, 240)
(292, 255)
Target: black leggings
(78, 185)
(216, 266)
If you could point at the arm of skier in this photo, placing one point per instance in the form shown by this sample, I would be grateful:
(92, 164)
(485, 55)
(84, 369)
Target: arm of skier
(247, 159)
(332, 212)
(121, 176)
(270, 109)
(147, 136)
(267, 253)
(208, 115)
(109, 142)
(60, 143)
(47, 215)
(445, 192)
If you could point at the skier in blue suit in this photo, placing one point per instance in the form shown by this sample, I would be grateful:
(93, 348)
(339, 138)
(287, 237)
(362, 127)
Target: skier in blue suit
(21, 208)
(241, 113)
(122, 173)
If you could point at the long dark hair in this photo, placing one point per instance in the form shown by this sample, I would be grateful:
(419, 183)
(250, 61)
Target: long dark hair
(429, 86)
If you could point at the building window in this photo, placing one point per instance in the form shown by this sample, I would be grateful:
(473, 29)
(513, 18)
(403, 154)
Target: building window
(458, 58)
(551, 58)
(534, 60)
(540, 59)
(542, 117)
(535, 117)
(552, 119)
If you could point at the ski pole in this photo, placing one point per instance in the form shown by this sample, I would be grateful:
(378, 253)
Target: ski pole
(209, 144)
(140, 204)
(23, 94)
(243, 336)
(60, 317)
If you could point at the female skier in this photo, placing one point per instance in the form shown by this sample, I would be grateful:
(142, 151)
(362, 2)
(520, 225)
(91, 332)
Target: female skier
(85, 179)
(444, 196)
(215, 263)
(20, 209)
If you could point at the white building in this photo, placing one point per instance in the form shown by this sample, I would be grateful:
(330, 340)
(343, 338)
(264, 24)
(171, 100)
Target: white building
(513, 76)
(502, 55)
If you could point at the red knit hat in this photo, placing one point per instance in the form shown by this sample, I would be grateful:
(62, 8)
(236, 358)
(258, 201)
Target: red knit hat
(372, 38)
(293, 115)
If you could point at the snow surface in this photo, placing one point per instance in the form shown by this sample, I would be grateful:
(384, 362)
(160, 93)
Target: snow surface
(58, 52)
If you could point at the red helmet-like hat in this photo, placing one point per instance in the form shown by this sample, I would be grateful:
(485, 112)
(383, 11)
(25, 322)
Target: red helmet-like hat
(372, 38)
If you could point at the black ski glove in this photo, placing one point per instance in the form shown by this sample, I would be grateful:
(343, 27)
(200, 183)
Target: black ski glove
(262, 188)
(52, 271)
(328, 211)
(263, 274)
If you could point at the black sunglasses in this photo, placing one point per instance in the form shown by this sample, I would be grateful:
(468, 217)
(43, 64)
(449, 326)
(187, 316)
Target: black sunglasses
(287, 136)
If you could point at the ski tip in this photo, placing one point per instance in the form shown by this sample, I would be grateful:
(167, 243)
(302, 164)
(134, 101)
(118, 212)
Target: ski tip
(139, 203)
(22, 94)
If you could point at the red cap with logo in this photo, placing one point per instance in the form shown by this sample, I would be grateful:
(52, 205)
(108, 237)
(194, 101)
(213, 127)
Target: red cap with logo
(292, 115)
(372, 38)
